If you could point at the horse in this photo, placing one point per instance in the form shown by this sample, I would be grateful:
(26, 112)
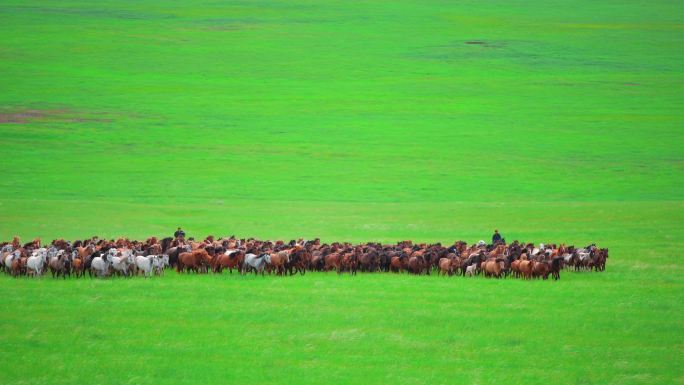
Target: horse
(497, 252)
(369, 260)
(493, 267)
(278, 261)
(526, 268)
(82, 252)
(10, 258)
(36, 262)
(446, 266)
(332, 261)
(541, 269)
(147, 263)
(416, 264)
(60, 265)
(231, 259)
(78, 267)
(193, 260)
(349, 262)
(121, 263)
(166, 244)
(255, 263)
(299, 259)
(474, 258)
(398, 263)
(515, 268)
(163, 263)
(556, 265)
(471, 270)
(600, 257)
(174, 253)
(18, 266)
(100, 265)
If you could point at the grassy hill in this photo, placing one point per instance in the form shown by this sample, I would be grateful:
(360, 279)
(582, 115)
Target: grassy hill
(368, 121)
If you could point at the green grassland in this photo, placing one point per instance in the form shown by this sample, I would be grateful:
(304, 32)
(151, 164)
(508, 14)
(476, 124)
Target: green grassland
(357, 121)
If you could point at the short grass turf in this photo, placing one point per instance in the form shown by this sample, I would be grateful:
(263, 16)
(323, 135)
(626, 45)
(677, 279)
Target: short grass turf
(371, 121)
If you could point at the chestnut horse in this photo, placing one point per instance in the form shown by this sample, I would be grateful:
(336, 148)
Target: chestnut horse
(193, 260)
(278, 261)
(526, 268)
(231, 259)
(493, 267)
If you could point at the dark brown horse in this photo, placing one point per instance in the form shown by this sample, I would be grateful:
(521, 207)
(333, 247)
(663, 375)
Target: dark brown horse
(541, 270)
(398, 263)
(416, 265)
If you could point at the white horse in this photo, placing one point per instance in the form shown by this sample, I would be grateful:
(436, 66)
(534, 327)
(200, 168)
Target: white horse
(9, 258)
(100, 265)
(585, 253)
(163, 263)
(257, 263)
(471, 270)
(36, 262)
(148, 263)
(121, 263)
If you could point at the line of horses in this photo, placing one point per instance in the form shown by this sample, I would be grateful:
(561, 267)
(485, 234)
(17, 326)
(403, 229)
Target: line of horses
(123, 257)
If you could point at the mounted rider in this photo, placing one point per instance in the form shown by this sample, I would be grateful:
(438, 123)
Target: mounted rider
(496, 237)
(179, 236)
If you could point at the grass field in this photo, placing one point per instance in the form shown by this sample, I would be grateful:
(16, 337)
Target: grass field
(365, 121)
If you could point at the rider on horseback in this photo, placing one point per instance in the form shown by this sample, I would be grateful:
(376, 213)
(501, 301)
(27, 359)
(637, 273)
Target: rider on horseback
(496, 237)
(179, 235)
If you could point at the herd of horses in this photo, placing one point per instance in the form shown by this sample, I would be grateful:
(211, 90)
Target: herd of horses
(123, 257)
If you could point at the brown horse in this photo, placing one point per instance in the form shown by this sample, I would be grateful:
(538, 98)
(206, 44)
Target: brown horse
(515, 268)
(231, 261)
(278, 261)
(317, 261)
(60, 266)
(194, 260)
(541, 269)
(526, 269)
(82, 252)
(398, 264)
(446, 266)
(493, 267)
(416, 265)
(349, 262)
(332, 261)
(497, 252)
(78, 267)
(18, 266)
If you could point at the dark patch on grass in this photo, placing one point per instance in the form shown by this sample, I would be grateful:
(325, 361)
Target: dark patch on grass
(61, 115)
(84, 12)
(531, 53)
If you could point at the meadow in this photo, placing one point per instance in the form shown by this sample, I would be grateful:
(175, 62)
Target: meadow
(366, 121)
